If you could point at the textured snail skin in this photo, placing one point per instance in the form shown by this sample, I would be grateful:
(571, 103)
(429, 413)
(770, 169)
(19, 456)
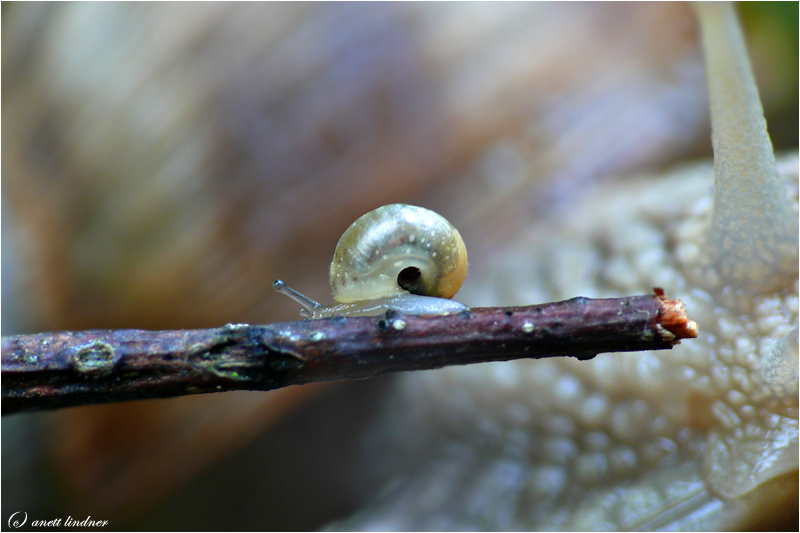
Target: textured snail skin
(703, 437)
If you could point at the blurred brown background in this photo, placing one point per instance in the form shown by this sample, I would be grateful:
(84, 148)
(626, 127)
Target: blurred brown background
(164, 163)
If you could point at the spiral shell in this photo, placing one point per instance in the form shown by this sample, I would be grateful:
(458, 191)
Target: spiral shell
(398, 257)
(398, 248)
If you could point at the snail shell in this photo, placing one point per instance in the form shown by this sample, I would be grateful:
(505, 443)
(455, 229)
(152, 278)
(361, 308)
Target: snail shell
(399, 257)
(398, 248)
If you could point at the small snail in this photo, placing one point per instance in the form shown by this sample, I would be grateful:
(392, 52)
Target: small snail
(399, 257)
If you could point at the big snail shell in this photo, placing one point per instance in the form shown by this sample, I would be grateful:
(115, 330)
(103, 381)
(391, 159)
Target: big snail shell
(401, 257)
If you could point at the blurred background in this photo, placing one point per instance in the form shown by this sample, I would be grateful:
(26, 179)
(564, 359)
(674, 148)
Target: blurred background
(164, 163)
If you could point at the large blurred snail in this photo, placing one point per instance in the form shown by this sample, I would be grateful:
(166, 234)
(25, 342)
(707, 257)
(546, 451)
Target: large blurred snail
(399, 257)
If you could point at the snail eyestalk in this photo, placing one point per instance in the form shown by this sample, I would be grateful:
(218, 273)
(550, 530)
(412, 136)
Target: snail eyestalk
(309, 305)
(753, 233)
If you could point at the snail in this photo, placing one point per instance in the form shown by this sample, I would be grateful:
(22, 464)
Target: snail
(400, 257)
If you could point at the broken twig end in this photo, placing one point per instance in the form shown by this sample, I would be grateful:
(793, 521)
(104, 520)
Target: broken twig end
(673, 318)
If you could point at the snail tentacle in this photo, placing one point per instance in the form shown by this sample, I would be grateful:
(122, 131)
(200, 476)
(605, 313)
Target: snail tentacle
(754, 228)
(310, 306)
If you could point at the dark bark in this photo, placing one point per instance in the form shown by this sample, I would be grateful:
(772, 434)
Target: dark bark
(53, 370)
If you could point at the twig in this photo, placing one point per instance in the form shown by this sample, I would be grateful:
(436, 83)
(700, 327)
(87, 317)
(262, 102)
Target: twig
(53, 370)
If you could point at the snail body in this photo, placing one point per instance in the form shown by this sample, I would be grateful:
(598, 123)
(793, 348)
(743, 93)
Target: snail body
(399, 257)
